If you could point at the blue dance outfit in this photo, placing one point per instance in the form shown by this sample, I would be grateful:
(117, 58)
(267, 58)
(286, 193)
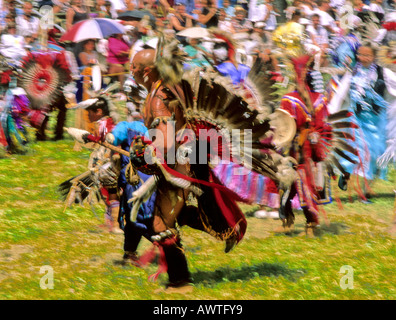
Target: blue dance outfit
(124, 133)
(369, 109)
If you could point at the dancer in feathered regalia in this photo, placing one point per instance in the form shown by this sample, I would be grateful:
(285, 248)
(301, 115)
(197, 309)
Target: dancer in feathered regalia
(319, 136)
(44, 76)
(369, 107)
(14, 111)
(188, 193)
(370, 92)
(309, 111)
(104, 166)
(386, 58)
(111, 176)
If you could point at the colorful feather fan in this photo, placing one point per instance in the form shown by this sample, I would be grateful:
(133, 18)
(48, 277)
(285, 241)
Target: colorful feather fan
(44, 76)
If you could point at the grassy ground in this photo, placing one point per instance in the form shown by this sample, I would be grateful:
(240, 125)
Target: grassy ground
(36, 232)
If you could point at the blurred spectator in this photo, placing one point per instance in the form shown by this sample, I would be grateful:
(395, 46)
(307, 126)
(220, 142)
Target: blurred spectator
(290, 9)
(27, 24)
(208, 15)
(149, 5)
(258, 35)
(359, 6)
(130, 5)
(180, 19)
(102, 9)
(77, 12)
(196, 53)
(307, 7)
(10, 7)
(270, 20)
(326, 20)
(108, 9)
(88, 56)
(12, 44)
(60, 6)
(242, 3)
(240, 23)
(376, 7)
(257, 11)
(42, 3)
(390, 5)
(9, 18)
(168, 5)
(318, 33)
(117, 6)
(229, 9)
(117, 56)
(7, 9)
(319, 36)
(224, 22)
(336, 5)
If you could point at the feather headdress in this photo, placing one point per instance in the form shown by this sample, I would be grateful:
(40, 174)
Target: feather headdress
(105, 95)
(169, 60)
(226, 39)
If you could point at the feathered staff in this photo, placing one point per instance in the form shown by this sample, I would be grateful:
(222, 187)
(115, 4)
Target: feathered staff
(73, 185)
(84, 136)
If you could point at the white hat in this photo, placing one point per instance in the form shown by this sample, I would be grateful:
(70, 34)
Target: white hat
(304, 21)
(260, 24)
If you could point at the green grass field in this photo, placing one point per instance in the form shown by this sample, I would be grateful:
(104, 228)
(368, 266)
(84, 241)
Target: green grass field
(36, 232)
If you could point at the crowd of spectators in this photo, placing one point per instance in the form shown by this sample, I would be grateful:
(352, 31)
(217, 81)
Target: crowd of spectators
(253, 20)
(323, 17)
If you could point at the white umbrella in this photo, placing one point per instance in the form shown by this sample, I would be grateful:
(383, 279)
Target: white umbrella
(97, 28)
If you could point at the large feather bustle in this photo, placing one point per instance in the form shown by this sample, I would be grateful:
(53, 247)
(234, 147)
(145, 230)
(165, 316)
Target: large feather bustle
(44, 76)
(261, 85)
(213, 102)
(338, 143)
